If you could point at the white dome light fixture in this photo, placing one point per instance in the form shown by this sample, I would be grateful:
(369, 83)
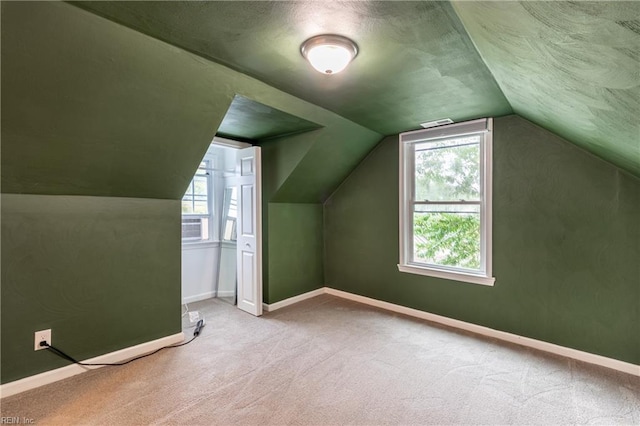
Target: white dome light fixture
(329, 53)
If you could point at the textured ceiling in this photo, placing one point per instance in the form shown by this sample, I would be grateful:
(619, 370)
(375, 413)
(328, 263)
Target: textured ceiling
(252, 121)
(571, 67)
(416, 62)
(94, 108)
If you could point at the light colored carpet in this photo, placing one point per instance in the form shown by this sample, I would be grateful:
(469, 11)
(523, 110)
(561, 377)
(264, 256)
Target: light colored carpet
(328, 361)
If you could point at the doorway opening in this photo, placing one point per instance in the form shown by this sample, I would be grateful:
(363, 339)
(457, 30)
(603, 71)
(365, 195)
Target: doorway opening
(221, 228)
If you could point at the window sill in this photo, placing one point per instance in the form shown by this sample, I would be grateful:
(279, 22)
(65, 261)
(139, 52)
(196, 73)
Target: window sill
(449, 275)
(186, 245)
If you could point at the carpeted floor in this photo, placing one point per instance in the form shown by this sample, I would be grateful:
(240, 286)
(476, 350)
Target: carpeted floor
(328, 361)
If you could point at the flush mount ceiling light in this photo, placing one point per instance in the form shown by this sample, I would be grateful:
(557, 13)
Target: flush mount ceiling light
(329, 53)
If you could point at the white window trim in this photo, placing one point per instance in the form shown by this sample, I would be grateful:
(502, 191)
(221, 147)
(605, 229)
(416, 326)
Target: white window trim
(211, 166)
(406, 183)
(215, 172)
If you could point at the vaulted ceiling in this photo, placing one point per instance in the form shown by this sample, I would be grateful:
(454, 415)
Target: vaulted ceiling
(90, 107)
(571, 67)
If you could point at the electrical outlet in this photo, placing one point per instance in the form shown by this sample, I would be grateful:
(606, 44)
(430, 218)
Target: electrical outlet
(42, 336)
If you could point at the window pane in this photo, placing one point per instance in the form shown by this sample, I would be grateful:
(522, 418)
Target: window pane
(230, 230)
(195, 200)
(202, 172)
(189, 191)
(233, 204)
(447, 235)
(187, 206)
(448, 170)
(200, 185)
(200, 207)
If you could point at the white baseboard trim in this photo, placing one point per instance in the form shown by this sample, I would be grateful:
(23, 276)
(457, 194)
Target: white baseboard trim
(208, 295)
(490, 332)
(32, 382)
(198, 297)
(295, 299)
(226, 293)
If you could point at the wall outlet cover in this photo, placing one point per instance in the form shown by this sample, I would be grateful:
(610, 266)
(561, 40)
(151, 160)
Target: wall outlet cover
(41, 336)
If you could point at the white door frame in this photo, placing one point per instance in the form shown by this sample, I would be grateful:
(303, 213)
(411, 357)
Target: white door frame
(256, 286)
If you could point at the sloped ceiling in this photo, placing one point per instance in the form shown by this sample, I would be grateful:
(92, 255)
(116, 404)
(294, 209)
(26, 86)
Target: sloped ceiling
(571, 67)
(90, 107)
(415, 64)
(252, 121)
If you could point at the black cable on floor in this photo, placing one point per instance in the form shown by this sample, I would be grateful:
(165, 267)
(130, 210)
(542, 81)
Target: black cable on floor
(61, 354)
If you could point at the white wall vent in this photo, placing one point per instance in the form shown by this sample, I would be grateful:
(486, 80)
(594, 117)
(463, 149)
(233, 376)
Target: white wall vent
(435, 123)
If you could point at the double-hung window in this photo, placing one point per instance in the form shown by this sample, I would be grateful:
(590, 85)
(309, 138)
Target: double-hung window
(445, 202)
(196, 206)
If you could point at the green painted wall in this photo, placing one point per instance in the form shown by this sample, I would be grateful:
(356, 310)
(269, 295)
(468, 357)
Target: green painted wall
(569, 66)
(295, 250)
(279, 157)
(316, 176)
(106, 99)
(92, 108)
(566, 244)
(100, 272)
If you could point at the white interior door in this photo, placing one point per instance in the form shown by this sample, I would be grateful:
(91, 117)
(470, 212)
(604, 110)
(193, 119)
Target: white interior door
(249, 231)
